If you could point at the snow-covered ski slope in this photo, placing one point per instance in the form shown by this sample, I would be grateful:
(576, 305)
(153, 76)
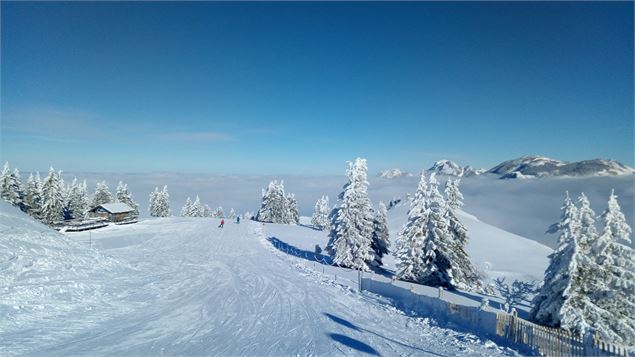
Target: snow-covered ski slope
(182, 286)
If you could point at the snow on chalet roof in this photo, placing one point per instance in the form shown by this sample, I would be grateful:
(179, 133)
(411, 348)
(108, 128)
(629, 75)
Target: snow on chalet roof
(117, 207)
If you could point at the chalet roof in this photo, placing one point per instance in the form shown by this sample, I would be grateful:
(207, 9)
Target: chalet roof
(116, 207)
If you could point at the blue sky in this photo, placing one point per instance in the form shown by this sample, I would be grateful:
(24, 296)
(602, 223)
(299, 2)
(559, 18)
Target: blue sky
(302, 87)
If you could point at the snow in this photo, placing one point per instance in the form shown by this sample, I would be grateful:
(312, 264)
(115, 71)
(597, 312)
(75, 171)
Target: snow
(393, 173)
(182, 286)
(117, 207)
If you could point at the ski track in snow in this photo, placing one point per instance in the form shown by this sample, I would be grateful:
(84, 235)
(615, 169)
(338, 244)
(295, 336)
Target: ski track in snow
(189, 288)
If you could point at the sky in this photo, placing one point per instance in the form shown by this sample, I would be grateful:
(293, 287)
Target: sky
(300, 88)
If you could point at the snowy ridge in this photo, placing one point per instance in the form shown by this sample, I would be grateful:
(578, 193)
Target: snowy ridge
(393, 173)
(539, 166)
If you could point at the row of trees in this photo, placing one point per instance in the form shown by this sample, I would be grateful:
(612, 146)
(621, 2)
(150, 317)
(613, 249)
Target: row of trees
(590, 281)
(196, 209)
(50, 200)
(278, 207)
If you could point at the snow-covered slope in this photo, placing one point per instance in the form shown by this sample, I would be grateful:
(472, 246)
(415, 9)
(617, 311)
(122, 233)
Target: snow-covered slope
(491, 249)
(538, 166)
(182, 286)
(393, 173)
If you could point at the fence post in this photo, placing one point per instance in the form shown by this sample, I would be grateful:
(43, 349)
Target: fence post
(440, 292)
(359, 281)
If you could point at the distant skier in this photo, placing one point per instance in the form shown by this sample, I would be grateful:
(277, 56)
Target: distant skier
(222, 223)
(237, 219)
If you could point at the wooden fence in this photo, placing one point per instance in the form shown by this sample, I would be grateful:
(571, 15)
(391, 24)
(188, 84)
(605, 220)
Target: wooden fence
(498, 325)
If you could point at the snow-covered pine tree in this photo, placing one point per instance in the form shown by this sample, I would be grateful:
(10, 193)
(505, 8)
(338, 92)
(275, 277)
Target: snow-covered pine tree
(439, 261)
(186, 210)
(453, 195)
(52, 198)
(232, 214)
(380, 239)
(197, 208)
(163, 203)
(588, 232)
(294, 213)
(465, 275)
(207, 211)
(351, 232)
(274, 207)
(219, 213)
(77, 200)
(320, 218)
(409, 249)
(616, 257)
(102, 195)
(152, 202)
(561, 301)
(11, 189)
(33, 196)
(124, 196)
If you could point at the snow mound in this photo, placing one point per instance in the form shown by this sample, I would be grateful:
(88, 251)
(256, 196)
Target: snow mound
(539, 166)
(46, 277)
(393, 173)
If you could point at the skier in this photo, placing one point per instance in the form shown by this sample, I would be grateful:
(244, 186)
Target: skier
(237, 219)
(222, 223)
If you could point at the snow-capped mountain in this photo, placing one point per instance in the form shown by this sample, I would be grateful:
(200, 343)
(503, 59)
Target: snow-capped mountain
(470, 171)
(447, 168)
(539, 166)
(393, 173)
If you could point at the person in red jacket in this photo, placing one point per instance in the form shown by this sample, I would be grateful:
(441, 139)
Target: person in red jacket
(222, 223)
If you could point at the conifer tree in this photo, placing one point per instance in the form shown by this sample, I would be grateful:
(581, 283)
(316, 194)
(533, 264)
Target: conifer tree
(274, 207)
(162, 203)
(102, 195)
(11, 189)
(351, 232)
(464, 274)
(52, 198)
(186, 211)
(77, 200)
(124, 196)
(616, 259)
(439, 262)
(232, 214)
(152, 202)
(560, 297)
(207, 211)
(219, 213)
(33, 196)
(294, 214)
(197, 208)
(380, 239)
(320, 218)
(410, 249)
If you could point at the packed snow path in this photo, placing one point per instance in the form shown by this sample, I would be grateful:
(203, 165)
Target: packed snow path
(195, 289)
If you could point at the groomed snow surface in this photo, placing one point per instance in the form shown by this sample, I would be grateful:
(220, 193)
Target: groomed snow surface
(183, 286)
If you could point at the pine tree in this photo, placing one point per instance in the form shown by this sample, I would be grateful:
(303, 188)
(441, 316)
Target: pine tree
(294, 214)
(380, 239)
(152, 203)
(77, 200)
(588, 232)
(102, 195)
(320, 218)
(197, 208)
(33, 196)
(186, 211)
(439, 262)
(232, 214)
(274, 207)
(219, 213)
(465, 275)
(616, 258)
(52, 198)
(351, 232)
(124, 196)
(11, 189)
(207, 211)
(558, 302)
(162, 203)
(410, 250)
